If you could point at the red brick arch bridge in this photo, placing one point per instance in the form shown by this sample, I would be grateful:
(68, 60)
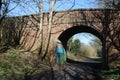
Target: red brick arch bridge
(68, 23)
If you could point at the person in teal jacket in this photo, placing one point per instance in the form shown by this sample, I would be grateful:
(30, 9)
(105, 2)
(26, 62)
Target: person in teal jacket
(60, 53)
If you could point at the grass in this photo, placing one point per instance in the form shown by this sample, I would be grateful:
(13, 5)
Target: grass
(15, 65)
(111, 74)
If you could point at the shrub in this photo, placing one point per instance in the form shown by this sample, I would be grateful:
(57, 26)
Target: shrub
(15, 66)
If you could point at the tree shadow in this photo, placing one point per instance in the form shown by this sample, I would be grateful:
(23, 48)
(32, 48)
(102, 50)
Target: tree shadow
(3, 49)
(70, 72)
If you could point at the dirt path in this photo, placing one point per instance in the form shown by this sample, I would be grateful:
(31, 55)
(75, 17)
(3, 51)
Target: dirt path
(71, 71)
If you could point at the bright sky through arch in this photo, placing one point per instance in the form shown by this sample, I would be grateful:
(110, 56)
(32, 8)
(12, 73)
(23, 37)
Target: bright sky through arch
(84, 38)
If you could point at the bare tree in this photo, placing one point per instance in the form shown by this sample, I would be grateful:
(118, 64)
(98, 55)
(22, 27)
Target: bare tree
(114, 32)
(37, 6)
(49, 27)
(109, 18)
(5, 7)
(109, 3)
(4, 4)
(40, 25)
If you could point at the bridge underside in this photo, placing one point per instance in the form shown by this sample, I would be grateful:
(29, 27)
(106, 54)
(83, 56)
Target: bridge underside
(65, 36)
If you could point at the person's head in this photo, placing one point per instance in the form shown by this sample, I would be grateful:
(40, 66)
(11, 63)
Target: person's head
(59, 42)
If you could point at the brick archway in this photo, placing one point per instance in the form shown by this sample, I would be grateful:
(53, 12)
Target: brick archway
(64, 36)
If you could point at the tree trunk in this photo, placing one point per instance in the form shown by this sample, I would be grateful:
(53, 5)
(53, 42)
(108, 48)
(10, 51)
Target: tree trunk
(105, 24)
(41, 28)
(49, 28)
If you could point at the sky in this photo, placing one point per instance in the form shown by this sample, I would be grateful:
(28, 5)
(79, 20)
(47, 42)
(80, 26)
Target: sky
(84, 38)
(30, 8)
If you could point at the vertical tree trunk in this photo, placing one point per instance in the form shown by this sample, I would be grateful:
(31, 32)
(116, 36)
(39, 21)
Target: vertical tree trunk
(41, 27)
(105, 23)
(49, 28)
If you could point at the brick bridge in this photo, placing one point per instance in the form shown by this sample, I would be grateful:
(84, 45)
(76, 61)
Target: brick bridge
(69, 23)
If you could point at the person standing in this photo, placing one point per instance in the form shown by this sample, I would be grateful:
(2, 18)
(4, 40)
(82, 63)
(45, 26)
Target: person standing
(60, 54)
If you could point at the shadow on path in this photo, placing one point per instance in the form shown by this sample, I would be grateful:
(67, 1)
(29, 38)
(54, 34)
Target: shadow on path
(72, 71)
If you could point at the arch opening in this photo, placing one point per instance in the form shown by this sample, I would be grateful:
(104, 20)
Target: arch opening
(84, 47)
